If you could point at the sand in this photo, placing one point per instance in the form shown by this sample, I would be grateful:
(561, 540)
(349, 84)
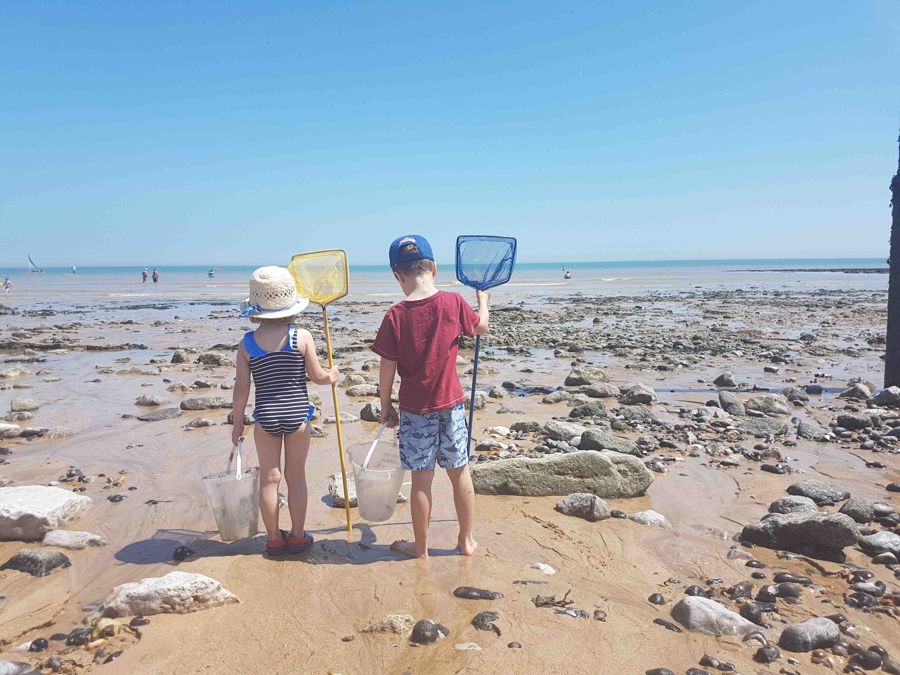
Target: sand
(294, 614)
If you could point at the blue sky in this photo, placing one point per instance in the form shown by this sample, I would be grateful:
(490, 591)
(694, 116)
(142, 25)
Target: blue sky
(236, 133)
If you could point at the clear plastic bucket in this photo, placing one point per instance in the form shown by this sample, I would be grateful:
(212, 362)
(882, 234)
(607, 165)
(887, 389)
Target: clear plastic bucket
(378, 484)
(234, 500)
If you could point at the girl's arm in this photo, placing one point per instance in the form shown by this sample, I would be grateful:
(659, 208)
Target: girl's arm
(240, 394)
(313, 368)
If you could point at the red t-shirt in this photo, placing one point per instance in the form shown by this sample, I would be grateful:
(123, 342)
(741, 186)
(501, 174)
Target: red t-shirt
(421, 336)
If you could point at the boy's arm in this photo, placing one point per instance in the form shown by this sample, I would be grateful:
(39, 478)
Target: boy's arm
(483, 297)
(313, 368)
(387, 371)
(240, 394)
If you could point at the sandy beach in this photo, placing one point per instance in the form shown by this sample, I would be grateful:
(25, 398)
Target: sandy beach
(85, 359)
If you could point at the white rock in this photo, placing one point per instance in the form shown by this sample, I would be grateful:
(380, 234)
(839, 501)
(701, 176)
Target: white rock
(72, 539)
(336, 490)
(175, 593)
(10, 430)
(651, 517)
(23, 405)
(498, 431)
(707, 616)
(13, 373)
(467, 647)
(544, 568)
(28, 512)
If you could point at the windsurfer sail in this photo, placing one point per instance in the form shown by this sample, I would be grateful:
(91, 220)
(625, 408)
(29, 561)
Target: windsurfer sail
(32, 267)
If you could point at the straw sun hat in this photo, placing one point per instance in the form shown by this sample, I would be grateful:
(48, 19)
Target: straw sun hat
(273, 294)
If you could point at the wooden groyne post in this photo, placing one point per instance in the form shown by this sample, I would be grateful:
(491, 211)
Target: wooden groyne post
(892, 354)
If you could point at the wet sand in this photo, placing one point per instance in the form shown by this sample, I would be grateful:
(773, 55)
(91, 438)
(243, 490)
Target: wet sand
(294, 613)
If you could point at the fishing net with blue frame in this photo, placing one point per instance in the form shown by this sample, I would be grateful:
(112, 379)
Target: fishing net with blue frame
(483, 261)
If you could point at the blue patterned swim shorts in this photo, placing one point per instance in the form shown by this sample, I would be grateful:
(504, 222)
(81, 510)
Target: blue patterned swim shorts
(439, 436)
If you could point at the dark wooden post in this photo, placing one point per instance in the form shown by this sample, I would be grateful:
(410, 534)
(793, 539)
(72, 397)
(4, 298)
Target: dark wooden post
(892, 355)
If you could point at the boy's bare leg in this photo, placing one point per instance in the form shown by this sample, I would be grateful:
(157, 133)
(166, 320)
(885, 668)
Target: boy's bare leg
(464, 499)
(296, 448)
(268, 450)
(420, 505)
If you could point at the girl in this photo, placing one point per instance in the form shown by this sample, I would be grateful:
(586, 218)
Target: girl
(278, 356)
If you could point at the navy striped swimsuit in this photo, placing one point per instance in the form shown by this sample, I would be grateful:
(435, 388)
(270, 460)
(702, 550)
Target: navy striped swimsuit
(282, 402)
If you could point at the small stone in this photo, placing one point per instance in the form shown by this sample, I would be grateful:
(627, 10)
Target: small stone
(426, 632)
(149, 400)
(38, 645)
(767, 654)
(651, 517)
(584, 505)
(471, 593)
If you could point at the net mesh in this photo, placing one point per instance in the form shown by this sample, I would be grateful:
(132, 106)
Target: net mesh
(483, 262)
(321, 276)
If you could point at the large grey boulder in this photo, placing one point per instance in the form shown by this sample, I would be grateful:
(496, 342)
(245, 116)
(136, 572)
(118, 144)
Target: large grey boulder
(769, 404)
(28, 512)
(585, 375)
(707, 616)
(589, 409)
(601, 390)
(812, 431)
(793, 504)
(205, 403)
(887, 398)
(730, 403)
(814, 633)
(854, 421)
(807, 532)
(583, 505)
(606, 474)
(860, 509)
(596, 439)
(881, 542)
(175, 593)
(638, 394)
(857, 391)
(763, 426)
(823, 494)
(562, 431)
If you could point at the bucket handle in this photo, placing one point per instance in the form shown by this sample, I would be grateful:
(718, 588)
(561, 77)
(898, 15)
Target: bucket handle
(374, 444)
(236, 454)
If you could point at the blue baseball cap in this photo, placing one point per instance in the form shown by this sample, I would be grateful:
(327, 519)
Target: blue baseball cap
(402, 250)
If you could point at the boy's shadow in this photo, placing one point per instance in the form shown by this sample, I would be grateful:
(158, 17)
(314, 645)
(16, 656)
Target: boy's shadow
(334, 550)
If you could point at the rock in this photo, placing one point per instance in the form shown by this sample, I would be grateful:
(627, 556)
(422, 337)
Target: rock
(881, 542)
(887, 398)
(769, 404)
(472, 593)
(178, 388)
(562, 431)
(854, 421)
(486, 621)
(23, 405)
(580, 377)
(371, 411)
(205, 403)
(363, 390)
(763, 426)
(17, 668)
(215, 359)
(175, 593)
(180, 356)
(28, 512)
(159, 415)
(557, 397)
(601, 390)
(543, 568)
(815, 633)
(10, 430)
(767, 654)
(149, 400)
(72, 539)
(856, 391)
(398, 624)
(592, 409)
(812, 432)
(823, 494)
(651, 517)
(13, 373)
(796, 395)
(426, 632)
(468, 647)
(793, 504)
(802, 531)
(336, 490)
(730, 403)
(525, 427)
(200, 423)
(725, 380)
(606, 474)
(638, 394)
(861, 510)
(595, 439)
(35, 562)
(583, 505)
(346, 418)
(700, 614)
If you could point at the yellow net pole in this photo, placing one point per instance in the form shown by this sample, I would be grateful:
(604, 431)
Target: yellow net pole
(337, 422)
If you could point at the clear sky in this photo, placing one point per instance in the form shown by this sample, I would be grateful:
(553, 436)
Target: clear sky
(240, 132)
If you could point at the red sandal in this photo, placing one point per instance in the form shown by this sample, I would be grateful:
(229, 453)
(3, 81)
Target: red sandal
(299, 545)
(277, 547)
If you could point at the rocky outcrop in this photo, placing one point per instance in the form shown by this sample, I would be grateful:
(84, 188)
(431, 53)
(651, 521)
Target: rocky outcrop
(175, 593)
(28, 512)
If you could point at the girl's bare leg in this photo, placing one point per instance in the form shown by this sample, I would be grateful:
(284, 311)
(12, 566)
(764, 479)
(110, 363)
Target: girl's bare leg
(296, 449)
(268, 450)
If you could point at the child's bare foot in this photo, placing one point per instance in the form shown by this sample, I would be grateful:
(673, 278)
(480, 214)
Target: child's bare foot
(467, 545)
(408, 548)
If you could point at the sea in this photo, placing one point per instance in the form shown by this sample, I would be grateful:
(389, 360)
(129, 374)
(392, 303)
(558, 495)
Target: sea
(530, 282)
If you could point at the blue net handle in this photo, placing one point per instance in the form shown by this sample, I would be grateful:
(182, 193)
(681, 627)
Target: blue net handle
(484, 261)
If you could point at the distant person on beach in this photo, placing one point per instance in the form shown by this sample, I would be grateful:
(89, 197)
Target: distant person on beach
(278, 357)
(419, 339)
(7, 285)
(155, 276)
(144, 275)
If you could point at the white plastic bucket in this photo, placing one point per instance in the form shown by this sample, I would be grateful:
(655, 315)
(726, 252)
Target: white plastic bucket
(233, 497)
(378, 483)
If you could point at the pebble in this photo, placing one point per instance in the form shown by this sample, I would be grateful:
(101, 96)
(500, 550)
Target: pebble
(426, 632)
(115, 499)
(471, 593)
(658, 671)
(668, 625)
(38, 645)
(656, 599)
(182, 553)
(514, 645)
(767, 654)
(485, 621)
(543, 568)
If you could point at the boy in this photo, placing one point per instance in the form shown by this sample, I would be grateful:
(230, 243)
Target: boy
(418, 339)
